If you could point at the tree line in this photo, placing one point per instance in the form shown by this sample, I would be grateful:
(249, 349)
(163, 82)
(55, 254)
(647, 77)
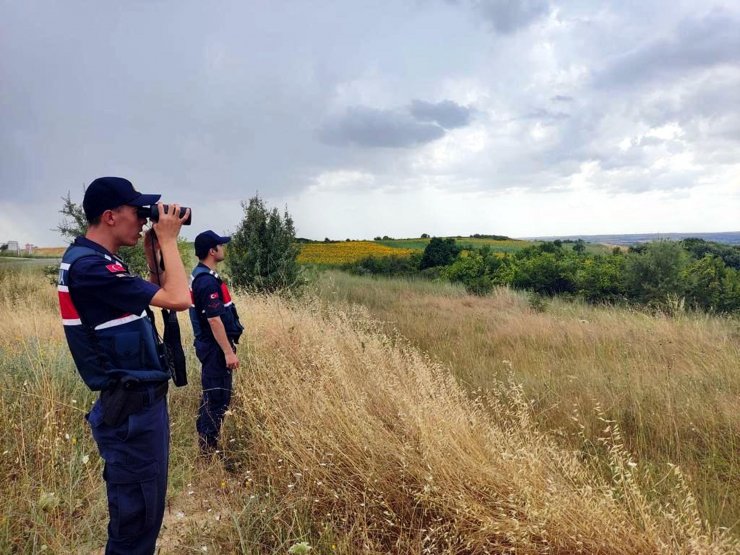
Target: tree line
(693, 272)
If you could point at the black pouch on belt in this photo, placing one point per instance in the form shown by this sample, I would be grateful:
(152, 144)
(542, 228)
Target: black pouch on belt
(115, 403)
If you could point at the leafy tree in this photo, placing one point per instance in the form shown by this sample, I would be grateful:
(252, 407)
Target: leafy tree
(601, 278)
(386, 265)
(655, 273)
(730, 254)
(712, 285)
(439, 252)
(579, 246)
(262, 252)
(544, 272)
(74, 223)
(470, 269)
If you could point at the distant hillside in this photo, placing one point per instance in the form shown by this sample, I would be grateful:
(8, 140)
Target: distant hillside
(729, 237)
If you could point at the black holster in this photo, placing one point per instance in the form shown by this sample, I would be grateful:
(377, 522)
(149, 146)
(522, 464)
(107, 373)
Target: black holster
(121, 401)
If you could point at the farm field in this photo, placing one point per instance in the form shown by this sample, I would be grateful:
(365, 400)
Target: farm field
(502, 246)
(342, 252)
(508, 245)
(352, 434)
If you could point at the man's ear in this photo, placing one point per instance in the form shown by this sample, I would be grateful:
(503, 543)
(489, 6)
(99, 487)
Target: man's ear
(107, 217)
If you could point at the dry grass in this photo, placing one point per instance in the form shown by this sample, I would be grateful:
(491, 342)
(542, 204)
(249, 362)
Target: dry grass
(344, 436)
(380, 444)
(672, 383)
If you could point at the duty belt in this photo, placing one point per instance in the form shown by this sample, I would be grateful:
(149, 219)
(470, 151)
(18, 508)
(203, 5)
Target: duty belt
(122, 400)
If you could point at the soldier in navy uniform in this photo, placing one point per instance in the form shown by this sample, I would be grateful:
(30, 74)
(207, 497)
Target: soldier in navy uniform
(108, 326)
(217, 330)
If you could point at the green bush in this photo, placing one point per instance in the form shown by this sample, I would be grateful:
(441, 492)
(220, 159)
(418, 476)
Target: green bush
(601, 278)
(439, 252)
(385, 266)
(470, 269)
(655, 274)
(711, 285)
(262, 252)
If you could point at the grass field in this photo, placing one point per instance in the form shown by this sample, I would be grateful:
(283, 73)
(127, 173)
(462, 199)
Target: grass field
(356, 438)
(672, 384)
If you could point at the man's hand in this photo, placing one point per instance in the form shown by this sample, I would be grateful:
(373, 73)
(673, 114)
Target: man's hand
(232, 361)
(169, 224)
(174, 294)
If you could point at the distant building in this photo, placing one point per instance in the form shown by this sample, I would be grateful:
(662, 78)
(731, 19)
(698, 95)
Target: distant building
(13, 247)
(30, 249)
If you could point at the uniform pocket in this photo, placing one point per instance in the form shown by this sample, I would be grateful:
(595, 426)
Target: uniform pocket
(132, 497)
(95, 416)
(128, 350)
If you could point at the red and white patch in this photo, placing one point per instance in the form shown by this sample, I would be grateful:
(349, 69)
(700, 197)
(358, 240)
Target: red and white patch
(116, 268)
(225, 293)
(213, 296)
(66, 307)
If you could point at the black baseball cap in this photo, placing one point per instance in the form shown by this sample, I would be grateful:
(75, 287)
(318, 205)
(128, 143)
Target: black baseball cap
(106, 193)
(208, 240)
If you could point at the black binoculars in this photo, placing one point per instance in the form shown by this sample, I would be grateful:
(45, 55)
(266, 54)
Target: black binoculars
(152, 213)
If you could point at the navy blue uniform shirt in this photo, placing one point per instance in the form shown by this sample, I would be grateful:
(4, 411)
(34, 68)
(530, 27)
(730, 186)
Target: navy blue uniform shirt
(102, 288)
(207, 292)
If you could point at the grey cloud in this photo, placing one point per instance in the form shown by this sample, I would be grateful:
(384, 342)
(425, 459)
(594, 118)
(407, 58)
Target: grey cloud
(546, 115)
(562, 98)
(370, 127)
(447, 113)
(508, 16)
(697, 43)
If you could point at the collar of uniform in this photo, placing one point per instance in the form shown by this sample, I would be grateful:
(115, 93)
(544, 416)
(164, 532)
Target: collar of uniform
(212, 272)
(85, 242)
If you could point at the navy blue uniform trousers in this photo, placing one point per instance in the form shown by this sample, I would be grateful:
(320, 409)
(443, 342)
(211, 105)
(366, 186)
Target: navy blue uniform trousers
(216, 381)
(136, 455)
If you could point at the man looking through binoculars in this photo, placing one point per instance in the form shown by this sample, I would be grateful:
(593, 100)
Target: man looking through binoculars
(110, 332)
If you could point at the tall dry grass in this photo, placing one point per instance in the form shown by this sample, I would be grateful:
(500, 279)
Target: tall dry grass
(381, 449)
(342, 435)
(671, 383)
(52, 494)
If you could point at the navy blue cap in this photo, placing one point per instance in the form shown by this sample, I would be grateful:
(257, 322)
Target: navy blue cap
(208, 240)
(106, 193)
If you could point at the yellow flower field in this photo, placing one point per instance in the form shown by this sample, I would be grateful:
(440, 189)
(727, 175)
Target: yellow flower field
(346, 251)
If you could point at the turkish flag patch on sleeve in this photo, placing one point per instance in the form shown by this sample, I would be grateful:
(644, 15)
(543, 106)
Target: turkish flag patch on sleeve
(213, 296)
(115, 268)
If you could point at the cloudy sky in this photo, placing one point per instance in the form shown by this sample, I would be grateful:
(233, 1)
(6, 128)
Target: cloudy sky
(378, 117)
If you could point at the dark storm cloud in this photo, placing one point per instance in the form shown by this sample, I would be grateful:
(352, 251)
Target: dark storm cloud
(447, 113)
(508, 16)
(369, 127)
(703, 42)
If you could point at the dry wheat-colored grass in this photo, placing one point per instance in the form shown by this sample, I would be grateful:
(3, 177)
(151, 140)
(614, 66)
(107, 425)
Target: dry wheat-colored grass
(343, 435)
(380, 444)
(671, 383)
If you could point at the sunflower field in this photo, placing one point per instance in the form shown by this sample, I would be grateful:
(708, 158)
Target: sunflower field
(342, 252)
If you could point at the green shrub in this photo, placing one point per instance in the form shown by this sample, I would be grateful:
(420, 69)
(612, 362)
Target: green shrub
(262, 252)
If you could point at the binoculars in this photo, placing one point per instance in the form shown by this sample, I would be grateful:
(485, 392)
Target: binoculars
(152, 213)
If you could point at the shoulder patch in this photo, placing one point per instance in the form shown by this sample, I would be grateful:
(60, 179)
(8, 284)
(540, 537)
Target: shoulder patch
(115, 268)
(213, 296)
